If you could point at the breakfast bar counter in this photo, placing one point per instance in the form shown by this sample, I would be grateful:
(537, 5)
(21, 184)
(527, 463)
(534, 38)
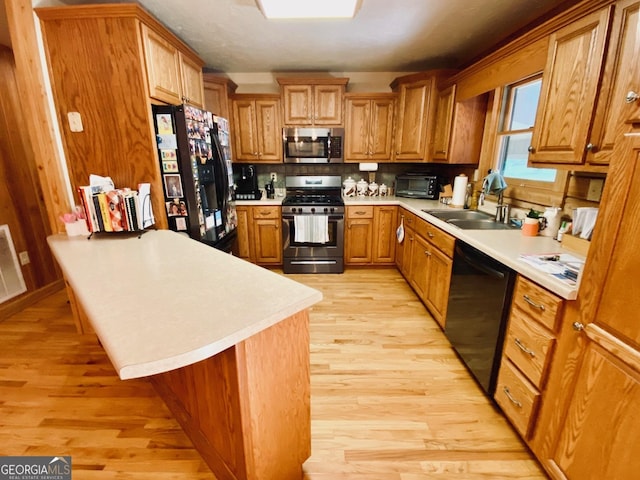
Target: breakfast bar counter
(224, 342)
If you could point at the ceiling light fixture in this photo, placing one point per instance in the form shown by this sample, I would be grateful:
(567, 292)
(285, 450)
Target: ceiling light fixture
(308, 8)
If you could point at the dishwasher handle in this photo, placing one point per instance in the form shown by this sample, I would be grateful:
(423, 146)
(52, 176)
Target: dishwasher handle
(468, 256)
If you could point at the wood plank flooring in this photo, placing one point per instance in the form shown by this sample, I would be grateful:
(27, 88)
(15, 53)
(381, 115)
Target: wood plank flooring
(390, 400)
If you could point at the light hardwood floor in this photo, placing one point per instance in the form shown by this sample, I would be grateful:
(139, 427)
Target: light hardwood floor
(390, 400)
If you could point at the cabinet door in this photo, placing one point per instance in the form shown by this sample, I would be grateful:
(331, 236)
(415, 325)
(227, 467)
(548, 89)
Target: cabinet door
(420, 254)
(298, 104)
(438, 281)
(192, 88)
(357, 121)
(381, 129)
(244, 237)
(244, 131)
(569, 88)
(216, 99)
(162, 60)
(599, 435)
(327, 104)
(384, 240)
(621, 74)
(268, 130)
(267, 241)
(411, 133)
(358, 241)
(442, 123)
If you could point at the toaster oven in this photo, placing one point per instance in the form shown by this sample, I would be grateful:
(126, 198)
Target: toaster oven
(416, 185)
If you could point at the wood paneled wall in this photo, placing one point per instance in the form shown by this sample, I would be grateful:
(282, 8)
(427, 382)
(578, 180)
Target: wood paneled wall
(21, 198)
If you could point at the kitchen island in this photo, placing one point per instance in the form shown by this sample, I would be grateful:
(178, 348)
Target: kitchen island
(225, 343)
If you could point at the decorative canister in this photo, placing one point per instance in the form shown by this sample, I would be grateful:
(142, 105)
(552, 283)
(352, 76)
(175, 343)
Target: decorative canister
(383, 190)
(349, 187)
(373, 189)
(362, 188)
(552, 222)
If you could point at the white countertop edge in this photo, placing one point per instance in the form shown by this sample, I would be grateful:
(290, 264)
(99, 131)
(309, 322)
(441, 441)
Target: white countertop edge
(163, 365)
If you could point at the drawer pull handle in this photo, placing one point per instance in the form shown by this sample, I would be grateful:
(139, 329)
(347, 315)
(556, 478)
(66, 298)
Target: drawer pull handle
(360, 212)
(430, 235)
(522, 347)
(532, 303)
(510, 397)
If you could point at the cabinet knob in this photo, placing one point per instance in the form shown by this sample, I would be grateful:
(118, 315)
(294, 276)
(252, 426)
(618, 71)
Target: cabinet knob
(632, 96)
(255, 154)
(577, 326)
(590, 147)
(427, 253)
(531, 149)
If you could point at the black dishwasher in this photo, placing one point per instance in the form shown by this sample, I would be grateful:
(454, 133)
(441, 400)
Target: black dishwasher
(477, 311)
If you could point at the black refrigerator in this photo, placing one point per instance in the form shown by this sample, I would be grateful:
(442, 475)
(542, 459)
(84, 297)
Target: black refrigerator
(194, 152)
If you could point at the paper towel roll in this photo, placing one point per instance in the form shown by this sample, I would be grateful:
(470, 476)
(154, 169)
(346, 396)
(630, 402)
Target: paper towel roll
(459, 190)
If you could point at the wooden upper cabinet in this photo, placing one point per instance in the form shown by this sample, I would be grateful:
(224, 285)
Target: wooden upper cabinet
(569, 88)
(369, 127)
(313, 102)
(163, 67)
(442, 124)
(257, 128)
(621, 76)
(174, 77)
(217, 93)
(192, 86)
(416, 107)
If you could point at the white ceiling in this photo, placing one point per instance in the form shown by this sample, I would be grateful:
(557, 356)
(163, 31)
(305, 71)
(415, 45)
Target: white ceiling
(385, 36)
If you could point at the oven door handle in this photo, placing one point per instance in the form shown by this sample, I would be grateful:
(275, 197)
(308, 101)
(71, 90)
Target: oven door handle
(473, 262)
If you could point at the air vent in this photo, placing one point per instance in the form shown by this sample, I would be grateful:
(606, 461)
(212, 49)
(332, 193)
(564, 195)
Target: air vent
(11, 279)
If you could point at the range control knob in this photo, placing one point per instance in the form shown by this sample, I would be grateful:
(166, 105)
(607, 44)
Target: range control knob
(313, 210)
(293, 209)
(326, 209)
(332, 209)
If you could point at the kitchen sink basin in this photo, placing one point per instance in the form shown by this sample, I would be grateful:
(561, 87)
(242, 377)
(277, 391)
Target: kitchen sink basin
(479, 224)
(459, 214)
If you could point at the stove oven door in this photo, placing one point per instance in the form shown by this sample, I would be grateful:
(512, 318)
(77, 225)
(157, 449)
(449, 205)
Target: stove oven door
(302, 254)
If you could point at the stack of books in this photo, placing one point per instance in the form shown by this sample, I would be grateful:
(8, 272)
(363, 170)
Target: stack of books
(117, 210)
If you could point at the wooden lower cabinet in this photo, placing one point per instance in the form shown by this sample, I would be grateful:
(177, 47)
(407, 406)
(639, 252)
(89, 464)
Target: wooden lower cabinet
(528, 351)
(369, 237)
(260, 234)
(425, 259)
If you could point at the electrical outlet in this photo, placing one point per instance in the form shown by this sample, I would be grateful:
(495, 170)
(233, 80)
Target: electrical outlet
(274, 176)
(595, 189)
(24, 257)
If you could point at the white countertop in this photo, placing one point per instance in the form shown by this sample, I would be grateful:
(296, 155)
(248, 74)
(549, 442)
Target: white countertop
(163, 301)
(506, 246)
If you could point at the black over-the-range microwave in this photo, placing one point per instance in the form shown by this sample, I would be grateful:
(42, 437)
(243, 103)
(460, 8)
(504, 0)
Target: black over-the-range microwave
(416, 185)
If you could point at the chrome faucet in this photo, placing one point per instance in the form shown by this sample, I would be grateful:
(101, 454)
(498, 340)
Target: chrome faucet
(503, 213)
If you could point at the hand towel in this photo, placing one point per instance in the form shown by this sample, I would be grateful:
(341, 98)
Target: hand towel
(493, 184)
(311, 228)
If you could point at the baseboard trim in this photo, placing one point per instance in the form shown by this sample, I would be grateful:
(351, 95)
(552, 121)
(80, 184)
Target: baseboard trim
(23, 301)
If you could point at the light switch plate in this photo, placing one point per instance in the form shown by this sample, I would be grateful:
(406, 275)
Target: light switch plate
(24, 257)
(75, 121)
(595, 189)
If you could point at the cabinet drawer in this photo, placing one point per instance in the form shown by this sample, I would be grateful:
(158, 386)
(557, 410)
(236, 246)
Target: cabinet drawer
(443, 241)
(543, 306)
(529, 346)
(362, 211)
(408, 218)
(517, 398)
(266, 212)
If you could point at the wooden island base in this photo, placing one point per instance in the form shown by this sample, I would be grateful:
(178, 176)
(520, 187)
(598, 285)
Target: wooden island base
(247, 409)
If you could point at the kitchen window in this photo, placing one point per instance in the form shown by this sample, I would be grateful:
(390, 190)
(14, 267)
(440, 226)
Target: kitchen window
(518, 105)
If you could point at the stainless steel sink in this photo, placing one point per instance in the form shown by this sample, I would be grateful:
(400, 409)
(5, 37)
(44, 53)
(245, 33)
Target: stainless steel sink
(479, 224)
(459, 214)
